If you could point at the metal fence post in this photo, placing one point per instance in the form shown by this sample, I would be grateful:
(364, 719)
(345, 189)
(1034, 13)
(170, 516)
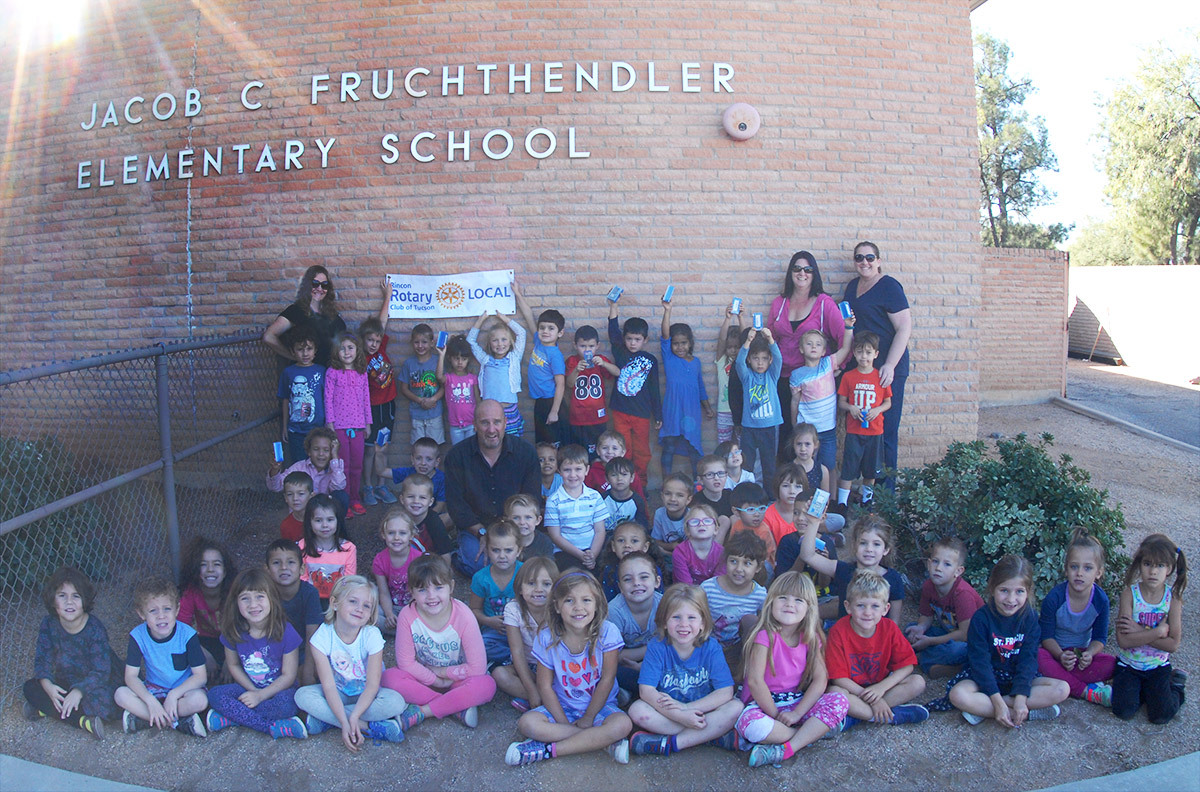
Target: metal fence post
(168, 460)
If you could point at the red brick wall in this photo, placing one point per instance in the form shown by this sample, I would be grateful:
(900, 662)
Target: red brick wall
(868, 132)
(1023, 326)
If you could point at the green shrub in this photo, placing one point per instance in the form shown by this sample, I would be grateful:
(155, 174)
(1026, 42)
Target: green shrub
(1018, 500)
(34, 474)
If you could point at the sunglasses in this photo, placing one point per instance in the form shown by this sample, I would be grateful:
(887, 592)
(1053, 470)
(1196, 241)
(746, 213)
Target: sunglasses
(696, 522)
(805, 269)
(322, 285)
(752, 509)
(859, 258)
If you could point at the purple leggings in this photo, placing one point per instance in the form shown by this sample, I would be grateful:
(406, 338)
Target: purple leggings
(1100, 670)
(224, 699)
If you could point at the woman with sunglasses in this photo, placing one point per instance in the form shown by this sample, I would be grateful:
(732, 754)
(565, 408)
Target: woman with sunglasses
(802, 306)
(880, 307)
(316, 306)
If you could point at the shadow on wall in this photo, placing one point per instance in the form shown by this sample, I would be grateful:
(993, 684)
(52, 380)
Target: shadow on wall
(1087, 337)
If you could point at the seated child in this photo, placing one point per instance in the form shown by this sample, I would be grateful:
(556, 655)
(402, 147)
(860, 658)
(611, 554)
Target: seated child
(326, 549)
(300, 601)
(323, 465)
(713, 493)
(948, 602)
(749, 502)
(632, 611)
(75, 673)
(624, 505)
(297, 489)
(735, 597)
(788, 552)
(575, 514)
(685, 684)
(416, 495)
(390, 565)
(701, 556)
(548, 464)
(524, 617)
(629, 537)
(577, 665)
(301, 393)
(871, 539)
(789, 483)
(207, 573)
(668, 529)
(262, 655)
(525, 511)
(171, 696)
(609, 446)
(805, 447)
(348, 654)
(425, 457)
(735, 474)
(492, 588)
(441, 668)
(864, 400)
(869, 659)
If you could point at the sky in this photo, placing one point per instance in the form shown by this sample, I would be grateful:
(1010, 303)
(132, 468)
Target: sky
(1076, 53)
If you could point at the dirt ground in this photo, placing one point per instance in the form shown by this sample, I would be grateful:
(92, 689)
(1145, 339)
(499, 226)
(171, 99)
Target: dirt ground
(1156, 487)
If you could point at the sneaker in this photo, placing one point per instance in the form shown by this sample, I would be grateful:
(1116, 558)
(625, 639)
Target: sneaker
(975, 720)
(368, 497)
(469, 717)
(761, 755)
(644, 742)
(410, 716)
(1098, 693)
(1045, 713)
(315, 725)
(528, 752)
(385, 730)
(30, 712)
(358, 508)
(92, 725)
(520, 705)
(349, 514)
(844, 724)
(730, 741)
(192, 725)
(619, 751)
(289, 727)
(909, 713)
(215, 721)
(130, 723)
(385, 495)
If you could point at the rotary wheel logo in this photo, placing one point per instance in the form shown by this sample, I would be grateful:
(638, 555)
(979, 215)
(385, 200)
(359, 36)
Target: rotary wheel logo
(450, 295)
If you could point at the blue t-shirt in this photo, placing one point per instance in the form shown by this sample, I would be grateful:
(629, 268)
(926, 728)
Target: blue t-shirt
(545, 362)
(439, 481)
(685, 680)
(635, 635)
(761, 392)
(304, 389)
(871, 313)
(1073, 630)
(494, 598)
(421, 379)
(262, 658)
(303, 611)
(168, 662)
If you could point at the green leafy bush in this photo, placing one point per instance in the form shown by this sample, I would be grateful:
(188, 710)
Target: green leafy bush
(1017, 500)
(34, 474)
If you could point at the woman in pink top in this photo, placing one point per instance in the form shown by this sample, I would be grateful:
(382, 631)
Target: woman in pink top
(802, 306)
(348, 411)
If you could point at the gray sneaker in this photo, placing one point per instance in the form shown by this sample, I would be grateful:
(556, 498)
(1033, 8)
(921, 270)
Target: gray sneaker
(1045, 713)
(192, 725)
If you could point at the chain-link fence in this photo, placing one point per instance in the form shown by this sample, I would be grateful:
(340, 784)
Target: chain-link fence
(112, 463)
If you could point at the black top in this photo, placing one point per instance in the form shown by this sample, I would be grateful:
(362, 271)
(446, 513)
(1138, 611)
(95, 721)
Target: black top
(324, 328)
(476, 491)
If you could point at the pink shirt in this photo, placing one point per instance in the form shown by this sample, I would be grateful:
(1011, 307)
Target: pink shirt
(194, 611)
(824, 316)
(347, 399)
(460, 398)
(327, 568)
(789, 664)
(457, 647)
(691, 568)
(325, 481)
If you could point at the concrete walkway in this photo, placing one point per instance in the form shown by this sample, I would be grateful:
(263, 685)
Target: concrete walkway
(18, 775)
(1171, 408)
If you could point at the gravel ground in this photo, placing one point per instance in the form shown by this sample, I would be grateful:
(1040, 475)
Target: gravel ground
(1156, 487)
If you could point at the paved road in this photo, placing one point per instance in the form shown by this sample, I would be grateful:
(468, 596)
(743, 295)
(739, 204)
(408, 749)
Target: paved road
(1172, 410)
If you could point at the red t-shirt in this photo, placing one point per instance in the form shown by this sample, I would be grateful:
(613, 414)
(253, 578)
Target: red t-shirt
(291, 528)
(381, 377)
(959, 604)
(866, 661)
(587, 390)
(597, 479)
(864, 392)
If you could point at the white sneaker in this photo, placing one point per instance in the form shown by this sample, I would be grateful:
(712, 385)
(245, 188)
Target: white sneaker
(619, 751)
(972, 719)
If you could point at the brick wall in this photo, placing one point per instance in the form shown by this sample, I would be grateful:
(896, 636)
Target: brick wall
(868, 132)
(1023, 326)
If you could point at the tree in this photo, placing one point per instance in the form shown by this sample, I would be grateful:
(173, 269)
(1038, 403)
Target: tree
(1152, 135)
(1013, 150)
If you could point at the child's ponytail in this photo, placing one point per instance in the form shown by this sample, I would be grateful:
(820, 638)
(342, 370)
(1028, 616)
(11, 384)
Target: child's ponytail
(1159, 549)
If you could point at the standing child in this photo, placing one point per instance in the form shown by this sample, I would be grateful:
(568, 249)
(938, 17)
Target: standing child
(1148, 630)
(610, 445)
(685, 394)
(425, 457)
(735, 597)
(390, 566)
(524, 617)
(948, 602)
(727, 338)
(869, 659)
(685, 684)
(701, 556)
(492, 588)
(208, 572)
(324, 468)
(348, 411)
(624, 504)
(871, 538)
(262, 654)
(1000, 680)
(575, 515)
(759, 363)
(500, 366)
(326, 548)
(588, 373)
(1074, 624)
(749, 502)
(461, 387)
(348, 653)
(627, 537)
(419, 384)
(547, 370)
(171, 696)
(577, 665)
(668, 529)
(75, 673)
(735, 474)
(301, 393)
(632, 611)
(525, 511)
(440, 668)
(814, 388)
(300, 602)
(636, 400)
(548, 465)
(787, 706)
(381, 381)
(864, 400)
(712, 493)
(297, 489)
(806, 448)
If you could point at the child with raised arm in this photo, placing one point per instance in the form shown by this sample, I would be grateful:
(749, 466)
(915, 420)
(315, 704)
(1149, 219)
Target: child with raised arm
(806, 449)
(636, 401)
(492, 588)
(948, 602)
(547, 370)
(300, 602)
(871, 540)
(869, 660)
(685, 684)
(500, 366)
(461, 387)
(588, 373)
(759, 363)
(524, 617)
(75, 673)
(322, 464)
(814, 388)
(575, 515)
(381, 382)
(301, 393)
(577, 665)
(685, 398)
(864, 400)
(727, 344)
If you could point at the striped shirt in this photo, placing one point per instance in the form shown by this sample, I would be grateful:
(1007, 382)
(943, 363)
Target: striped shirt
(814, 391)
(728, 609)
(576, 518)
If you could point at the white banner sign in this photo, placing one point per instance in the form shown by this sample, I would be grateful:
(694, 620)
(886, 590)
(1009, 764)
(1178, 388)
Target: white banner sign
(442, 296)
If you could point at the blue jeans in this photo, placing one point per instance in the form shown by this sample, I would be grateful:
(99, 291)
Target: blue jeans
(949, 653)
(495, 644)
(827, 454)
(311, 698)
(467, 558)
(891, 430)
